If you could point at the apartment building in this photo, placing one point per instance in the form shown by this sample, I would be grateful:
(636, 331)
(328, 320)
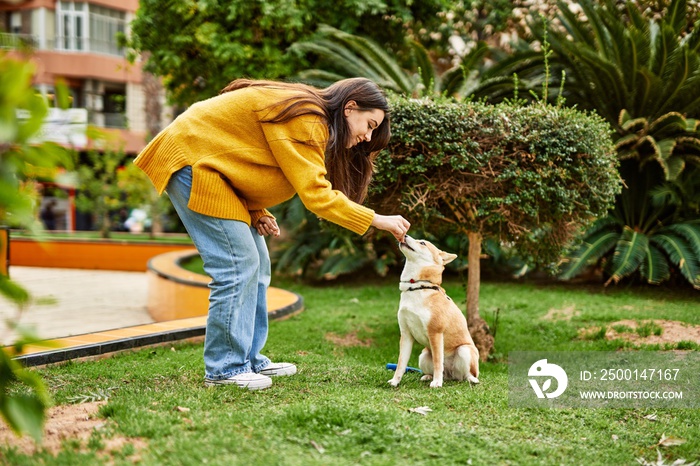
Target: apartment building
(77, 41)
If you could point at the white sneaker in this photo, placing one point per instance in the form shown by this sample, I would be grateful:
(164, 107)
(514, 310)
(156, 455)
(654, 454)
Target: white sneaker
(275, 369)
(249, 380)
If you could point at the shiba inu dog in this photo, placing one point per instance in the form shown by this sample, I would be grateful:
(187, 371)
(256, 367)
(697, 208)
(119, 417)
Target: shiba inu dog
(427, 315)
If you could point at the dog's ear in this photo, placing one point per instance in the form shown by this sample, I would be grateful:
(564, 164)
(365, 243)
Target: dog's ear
(447, 257)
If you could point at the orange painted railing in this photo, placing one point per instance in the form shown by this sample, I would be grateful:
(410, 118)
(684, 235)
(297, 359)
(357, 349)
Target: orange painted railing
(4, 250)
(87, 254)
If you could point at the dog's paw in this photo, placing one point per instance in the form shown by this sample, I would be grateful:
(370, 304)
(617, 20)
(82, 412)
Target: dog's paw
(472, 379)
(427, 377)
(436, 384)
(394, 382)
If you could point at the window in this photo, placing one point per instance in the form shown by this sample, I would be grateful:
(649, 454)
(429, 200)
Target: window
(105, 25)
(71, 26)
(84, 27)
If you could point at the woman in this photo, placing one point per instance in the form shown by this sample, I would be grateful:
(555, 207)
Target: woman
(227, 159)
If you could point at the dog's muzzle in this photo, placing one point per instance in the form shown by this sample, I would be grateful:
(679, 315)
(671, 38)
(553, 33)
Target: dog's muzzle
(405, 245)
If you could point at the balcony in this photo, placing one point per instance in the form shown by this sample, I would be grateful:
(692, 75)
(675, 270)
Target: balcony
(85, 45)
(10, 41)
(18, 41)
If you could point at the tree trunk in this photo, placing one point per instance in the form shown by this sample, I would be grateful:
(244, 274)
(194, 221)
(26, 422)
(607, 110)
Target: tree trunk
(153, 108)
(156, 223)
(106, 227)
(153, 90)
(156, 227)
(479, 329)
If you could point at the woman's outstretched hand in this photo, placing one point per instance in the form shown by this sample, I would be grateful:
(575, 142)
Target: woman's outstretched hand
(267, 226)
(394, 224)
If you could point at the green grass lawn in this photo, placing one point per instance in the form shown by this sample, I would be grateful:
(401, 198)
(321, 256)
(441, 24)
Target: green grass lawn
(339, 409)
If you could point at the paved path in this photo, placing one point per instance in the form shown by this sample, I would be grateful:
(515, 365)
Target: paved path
(73, 302)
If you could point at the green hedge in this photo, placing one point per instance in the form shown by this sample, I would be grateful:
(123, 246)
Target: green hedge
(531, 176)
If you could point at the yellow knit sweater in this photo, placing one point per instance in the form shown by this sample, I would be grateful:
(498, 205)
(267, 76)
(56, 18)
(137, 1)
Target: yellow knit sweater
(241, 166)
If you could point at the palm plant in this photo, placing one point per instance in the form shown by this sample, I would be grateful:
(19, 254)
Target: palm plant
(647, 234)
(643, 76)
(613, 56)
(345, 55)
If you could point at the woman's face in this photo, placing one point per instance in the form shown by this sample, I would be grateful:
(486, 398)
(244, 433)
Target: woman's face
(361, 123)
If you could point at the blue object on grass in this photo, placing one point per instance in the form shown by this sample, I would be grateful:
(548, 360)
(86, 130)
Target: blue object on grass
(392, 367)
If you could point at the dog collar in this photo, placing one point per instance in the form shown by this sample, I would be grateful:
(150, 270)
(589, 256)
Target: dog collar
(434, 287)
(412, 281)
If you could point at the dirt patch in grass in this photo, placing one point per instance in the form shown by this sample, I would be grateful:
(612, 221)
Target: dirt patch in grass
(561, 314)
(646, 332)
(75, 422)
(350, 339)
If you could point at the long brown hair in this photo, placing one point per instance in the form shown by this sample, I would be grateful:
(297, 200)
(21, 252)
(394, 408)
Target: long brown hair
(349, 170)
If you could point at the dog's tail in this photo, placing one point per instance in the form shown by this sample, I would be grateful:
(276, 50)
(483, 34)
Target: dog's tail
(474, 362)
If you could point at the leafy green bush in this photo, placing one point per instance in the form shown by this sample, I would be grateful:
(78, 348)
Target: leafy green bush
(529, 175)
(23, 396)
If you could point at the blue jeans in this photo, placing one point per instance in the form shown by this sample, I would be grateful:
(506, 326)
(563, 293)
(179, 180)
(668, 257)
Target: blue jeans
(236, 258)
